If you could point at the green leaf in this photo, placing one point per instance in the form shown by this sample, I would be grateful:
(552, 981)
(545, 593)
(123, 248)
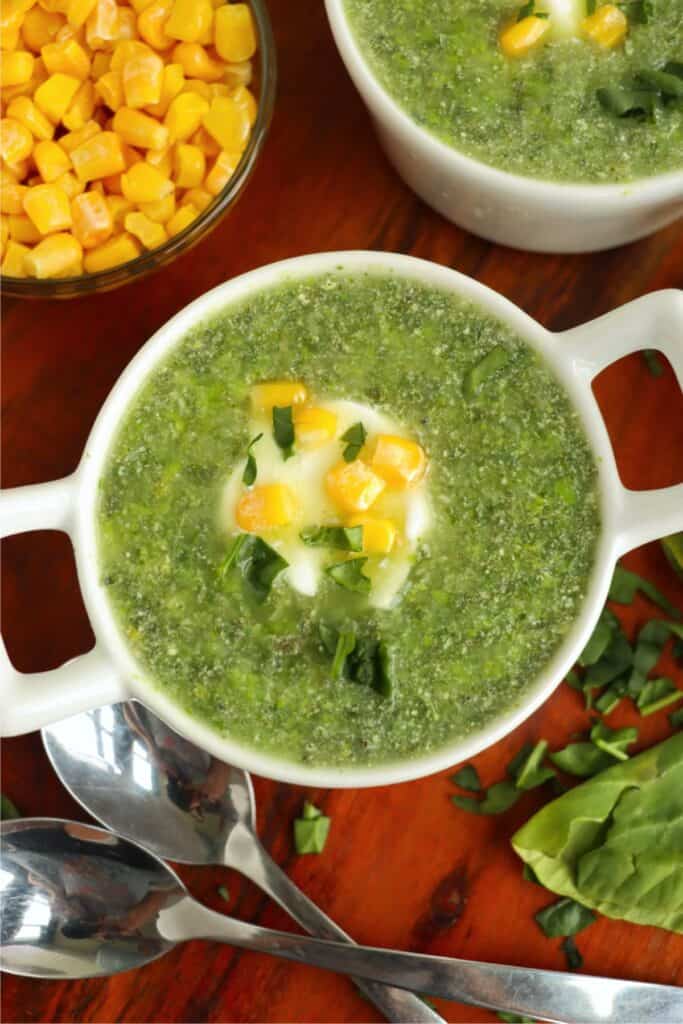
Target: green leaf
(649, 646)
(566, 917)
(612, 696)
(514, 765)
(662, 82)
(468, 778)
(676, 719)
(616, 660)
(653, 363)
(513, 1018)
(624, 101)
(637, 11)
(590, 7)
(283, 430)
(232, 555)
(673, 546)
(349, 575)
(573, 957)
(485, 368)
(259, 565)
(8, 810)
(529, 875)
(497, 799)
(625, 585)
(657, 694)
(224, 893)
(310, 834)
(529, 9)
(310, 811)
(583, 759)
(531, 772)
(599, 641)
(366, 661)
(355, 439)
(250, 470)
(674, 67)
(613, 741)
(346, 643)
(343, 538)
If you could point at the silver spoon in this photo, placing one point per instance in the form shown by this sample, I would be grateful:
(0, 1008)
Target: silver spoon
(77, 901)
(141, 779)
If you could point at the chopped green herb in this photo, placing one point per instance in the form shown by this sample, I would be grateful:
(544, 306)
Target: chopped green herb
(531, 772)
(497, 799)
(674, 67)
(258, 563)
(468, 778)
(599, 640)
(232, 554)
(676, 719)
(574, 680)
(613, 741)
(361, 659)
(566, 917)
(513, 766)
(661, 81)
(8, 810)
(572, 955)
(310, 811)
(649, 647)
(529, 875)
(582, 759)
(345, 645)
(311, 830)
(624, 101)
(625, 585)
(657, 694)
(344, 538)
(250, 470)
(652, 361)
(513, 1018)
(528, 10)
(486, 367)
(283, 430)
(223, 893)
(355, 439)
(610, 698)
(349, 575)
(638, 11)
(616, 660)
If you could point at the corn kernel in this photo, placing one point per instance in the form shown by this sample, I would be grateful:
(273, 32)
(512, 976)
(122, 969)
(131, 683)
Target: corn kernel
(17, 67)
(13, 263)
(265, 508)
(162, 160)
(379, 535)
(172, 83)
(12, 196)
(92, 219)
(9, 34)
(16, 141)
(109, 87)
(102, 25)
(128, 24)
(143, 183)
(314, 427)
(48, 207)
(55, 95)
(54, 6)
(51, 160)
(82, 108)
(145, 230)
(100, 64)
(142, 80)
(234, 32)
(239, 73)
(521, 37)
(201, 88)
(98, 157)
(198, 197)
(353, 486)
(184, 116)
(246, 101)
(189, 20)
(22, 229)
(206, 142)
(401, 463)
(140, 5)
(73, 139)
(197, 63)
(279, 393)
(221, 172)
(70, 184)
(151, 24)
(19, 169)
(138, 129)
(182, 218)
(189, 164)
(228, 124)
(607, 26)
(40, 27)
(160, 211)
(119, 249)
(78, 12)
(69, 57)
(119, 206)
(67, 32)
(220, 89)
(57, 256)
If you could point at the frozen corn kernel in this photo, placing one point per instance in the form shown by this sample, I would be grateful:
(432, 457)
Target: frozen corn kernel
(220, 89)
(198, 197)
(227, 123)
(51, 160)
(12, 196)
(143, 183)
(19, 169)
(100, 64)
(246, 101)
(54, 96)
(73, 139)
(139, 5)
(162, 160)
(119, 249)
(314, 427)
(206, 142)
(239, 73)
(184, 116)
(172, 83)
(70, 184)
(119, 206)
(9, 34)
(40, 27)
(22, 229)
(57, 256)
(197, 63)
(69, 57)
(607, 26)
(148, 232)
(143, 78)
(266, 507)
(400, 462)
(151, 24)
(4, 233)
(182, 218)
(125, 49)
(48, 207)
(353, 486)
(221, 172)
(379, 535)
(234, 32)
(92, 219)
(54, 5)
(98, 157)
(17, 67)
(16, 141)
(82, 108)
(138, 129)
(102, 25)
(522, 36)
(109, 87)
(14, 260)
(128, 23)
(189, 165)
(279, 393)
(161, 211)
(78, 12)
(201, 88)
(189, 20)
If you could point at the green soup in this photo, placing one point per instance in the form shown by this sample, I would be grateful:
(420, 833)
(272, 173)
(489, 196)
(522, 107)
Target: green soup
(495, 583)
(537, 115)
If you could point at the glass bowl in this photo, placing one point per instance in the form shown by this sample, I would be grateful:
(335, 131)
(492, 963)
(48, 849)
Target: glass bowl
(148, 261)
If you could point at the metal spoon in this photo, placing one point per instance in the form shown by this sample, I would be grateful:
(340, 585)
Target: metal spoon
(77, 901)
(141, 779)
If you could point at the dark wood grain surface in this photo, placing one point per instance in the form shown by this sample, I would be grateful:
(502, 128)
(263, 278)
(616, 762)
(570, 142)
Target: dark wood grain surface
(403, 867)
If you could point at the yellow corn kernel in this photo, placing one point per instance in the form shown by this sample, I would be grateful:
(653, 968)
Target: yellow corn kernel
(198, 197)
(353, 486)
(9, 33)
(69, 57)
(246, 101)
(151, 24)
(57, 256)
(67, 32)
(92, 219)
(145, 230)
(521, 37)
(16, 141)
(102, 25)
(53, 6)
(98, 157)
(182, 218)
(117, 250)
(19, 169)
(189, 164)
(51, 160)
(138, 129)
(184, 116)
(109, 87)
(4, 233)
(12, 196)
(196, 85)
(265, 507)
(228, 123)
(40, 27)
(239, 73)
(172, 83)
(279, 393)
(400, 462)
(197, 63)
(13, 263)
(119, 206)
(70, 184)
(48, 207)
(160, 211)
(78, 12)
(55, 95)
(140, 5)
(143, 183)
(206, 142)
(607, 26)
(162, 159)
(128, 24)
(189, 20)
(220, 89)
(221, 172)
(100, 64)
(73, 139)
(379, 535)
(143, 78)
(17, 67)
(314, 427)
(22, 229)
(82, 108)
(23, 109)
(125, 50)
(234, 32)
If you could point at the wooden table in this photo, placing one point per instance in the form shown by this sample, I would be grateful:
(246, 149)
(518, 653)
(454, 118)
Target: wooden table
(403, 867)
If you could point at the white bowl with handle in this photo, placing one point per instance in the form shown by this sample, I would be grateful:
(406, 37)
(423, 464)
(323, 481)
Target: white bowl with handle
(109, 672)
(522, 212)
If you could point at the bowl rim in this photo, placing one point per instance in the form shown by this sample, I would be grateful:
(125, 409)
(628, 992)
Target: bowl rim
(669, 184)
(154, 259)
(103, 435)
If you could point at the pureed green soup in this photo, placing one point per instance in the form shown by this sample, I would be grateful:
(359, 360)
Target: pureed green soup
(537, 115)
(492, 586)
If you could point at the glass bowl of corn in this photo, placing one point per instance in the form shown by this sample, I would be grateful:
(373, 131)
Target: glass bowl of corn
(127, 131)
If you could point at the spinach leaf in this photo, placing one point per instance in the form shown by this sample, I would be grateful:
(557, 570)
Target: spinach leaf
(513, 1018)
(346, 643)
(528, 11)
(625, 101)
(311, 830)
(625, 585)
(657, 694)
(637, 11)
(566, 917)
(497, 799)
(515, 764)
(583, 759)
(573, 957)
(652, 361)
(283, 430)
(649, 647)
(529, 875)
(599, 640)
(673, 545)
(612, 696)
(485, 368)
(590, 7)
(613, 741)
(8, 810)
(250, 470)
(468, 778)
(349, 575)
(676, 719)
(531, 772)
(258, 563)
(666, 84)
(361, 659)
(344, 538)
(617, 658)
(232, 554)
(355, 439)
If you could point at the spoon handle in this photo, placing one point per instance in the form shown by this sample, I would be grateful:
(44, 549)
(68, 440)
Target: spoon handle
(554, 996)
(246, 855)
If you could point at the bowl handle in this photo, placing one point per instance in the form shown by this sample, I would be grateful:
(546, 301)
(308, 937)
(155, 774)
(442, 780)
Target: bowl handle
(654, 321)
(32, 700)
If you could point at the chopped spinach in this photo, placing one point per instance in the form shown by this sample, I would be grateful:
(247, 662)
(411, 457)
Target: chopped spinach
(566, 917)
(250, 469)
(497, 799)
(649, 646)
(346, 643)
(283, 429)
(258, 563)
(676, 719)
(626, 584)
(349, 575)
(613, 741)
(468, 778)
(355, 439)
(311, 830)
(344, 538)
(8, 809)
(657, 694)
(361, 659)
(528, 10)
(531, 772)
(582, 759)
(573, 957)
(653, 363)
(485, 368)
